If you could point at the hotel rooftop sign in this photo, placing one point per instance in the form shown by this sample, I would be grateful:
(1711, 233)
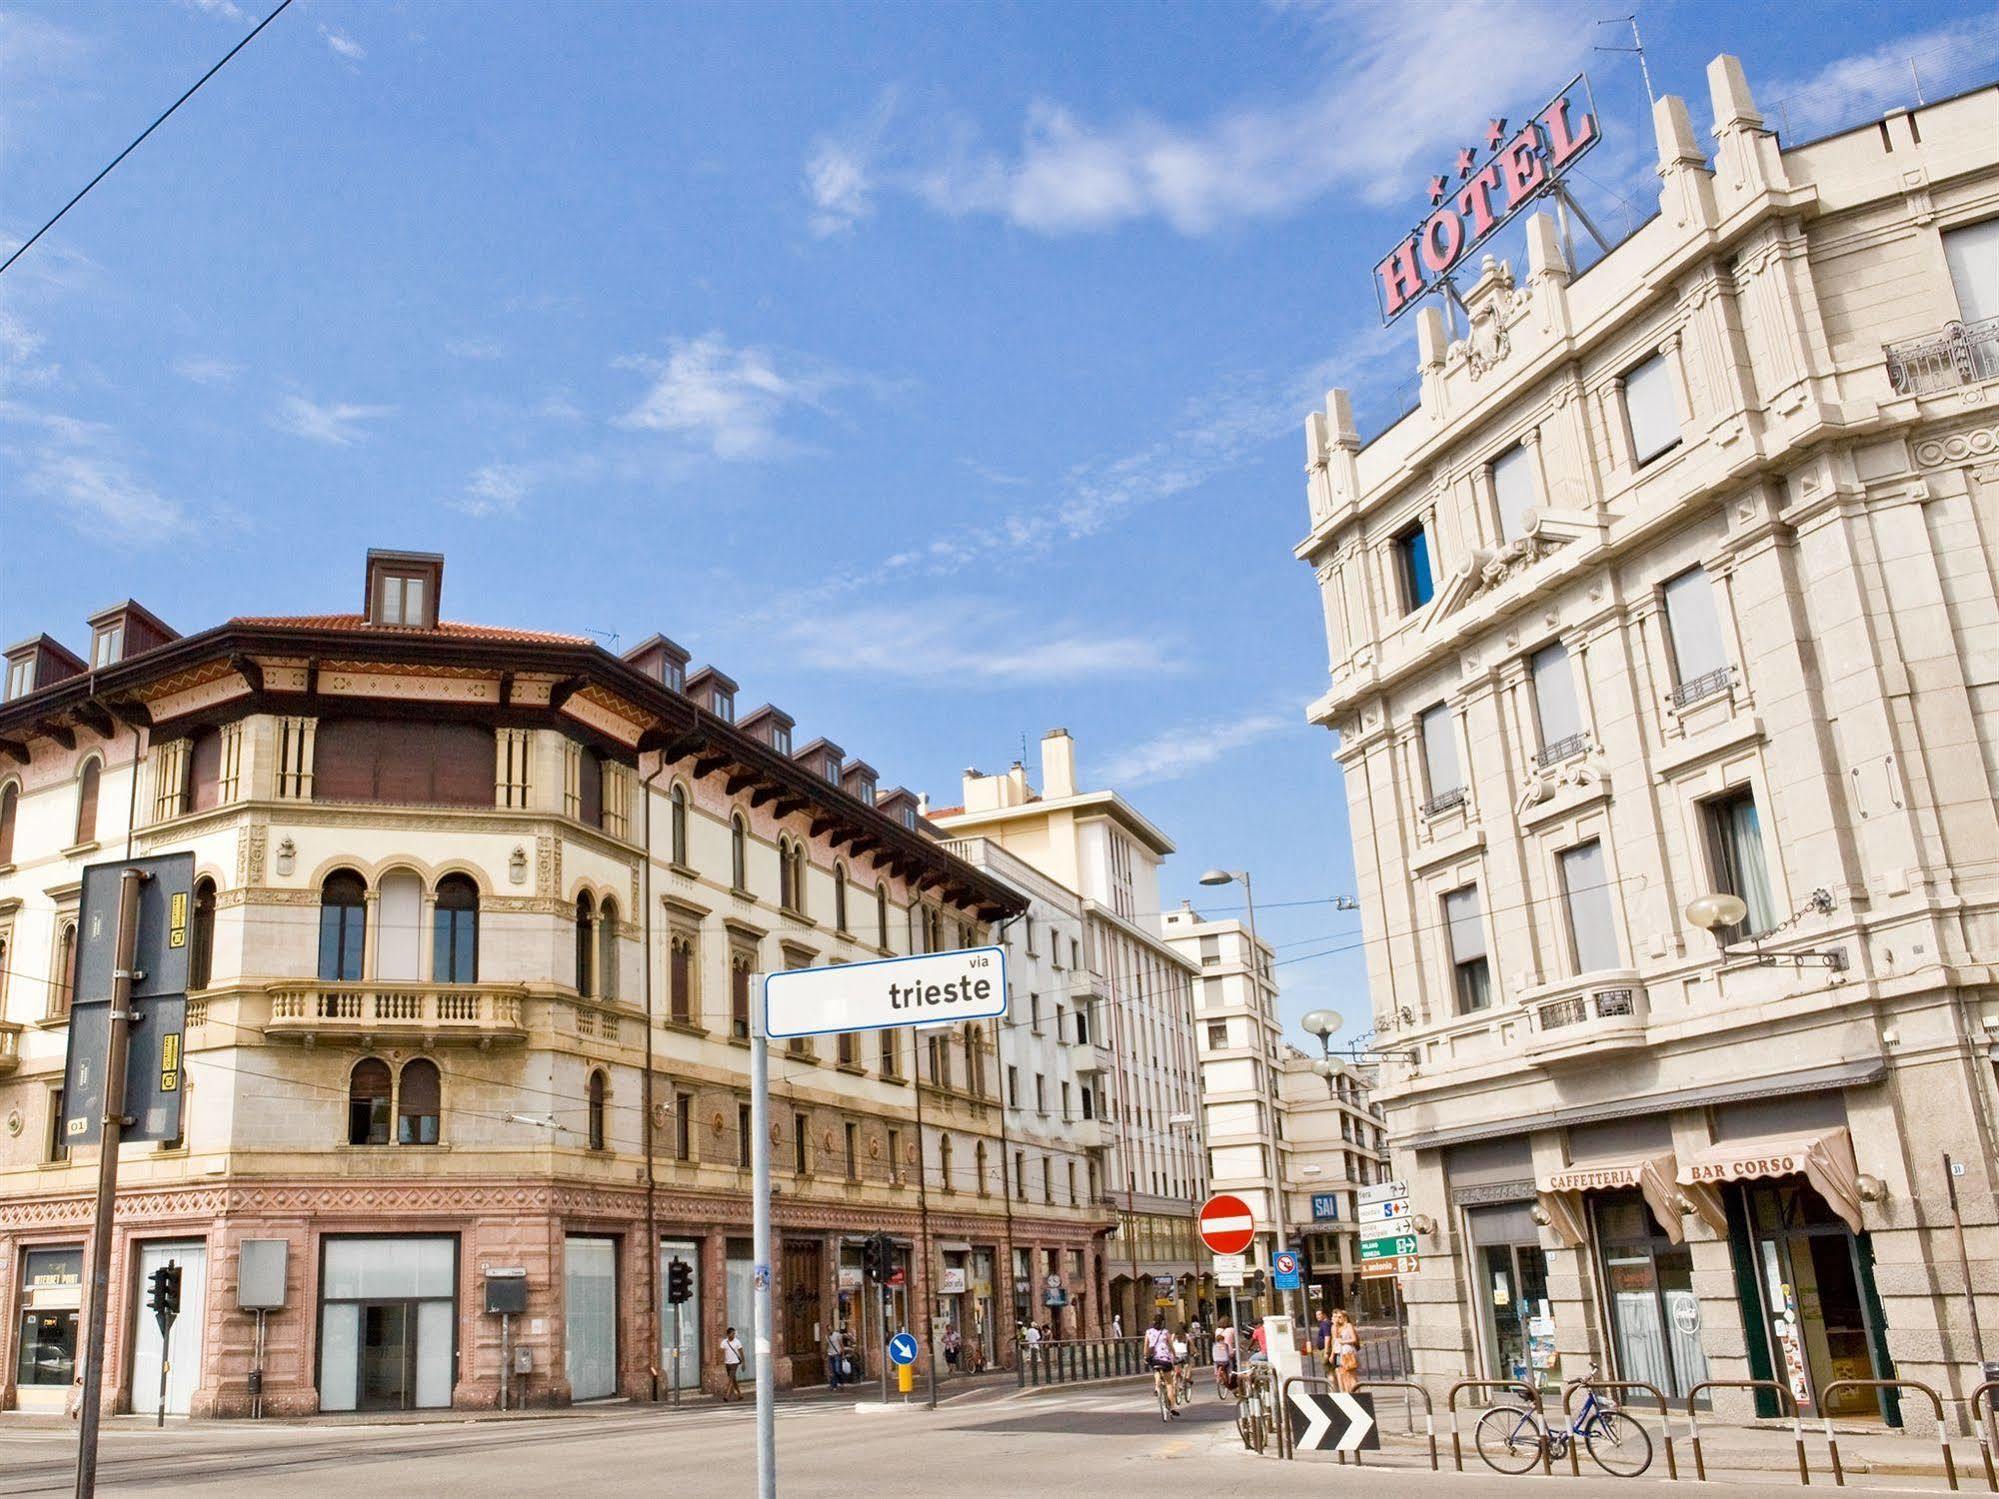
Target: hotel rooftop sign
(1481, 193)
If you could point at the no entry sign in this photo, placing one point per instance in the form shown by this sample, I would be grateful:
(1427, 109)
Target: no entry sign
(1227, 1225)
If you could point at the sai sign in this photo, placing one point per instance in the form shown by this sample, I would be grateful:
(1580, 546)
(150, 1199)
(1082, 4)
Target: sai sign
(930, 989)
(1483, 190)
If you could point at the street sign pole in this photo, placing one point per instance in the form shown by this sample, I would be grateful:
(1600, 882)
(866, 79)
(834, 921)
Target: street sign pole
(760, 1243)
(127, 940)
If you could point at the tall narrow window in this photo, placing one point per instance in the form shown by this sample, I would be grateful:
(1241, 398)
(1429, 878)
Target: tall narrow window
(680, 977)
(1440, 759)
(1471, 974)
(343, 913)
(586, 913)
(787, 896)
(10, 811)
(1592, 927)
(1700, 663)
(849, 1049)
(201, 941)
(881, 917)
(1412, 562)
(454, 932)
(743, 1136)
(840, 897)
(739, 995)
(1972, 253)
(852, 1134)
(801, 1145)
(683, 1126)
(739, 853)
(1514, 489)
(368, 1090)
(1736, 861)
(589, 787)
(1650, 410)
(1556, 710)
(944, 1164)
(891, 1052)
(86, 800)
(677, 819)
(204, 770)
(979, 1167)
(418, 1103)
(594, 1109)
(64, 993)
(607, 950)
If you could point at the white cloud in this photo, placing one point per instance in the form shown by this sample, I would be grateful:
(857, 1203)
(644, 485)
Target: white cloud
(729, 400)
(474, 348)
(101, 495)
(335, 423)
(495, 489)
(1860, 87)
(344, 45)
(226, 10)
(954, 640)
(838, 176)
(1181, 751)
(1369, 124)
(206, 371)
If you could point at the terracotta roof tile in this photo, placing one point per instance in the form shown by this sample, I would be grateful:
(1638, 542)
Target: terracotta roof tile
(450, 629)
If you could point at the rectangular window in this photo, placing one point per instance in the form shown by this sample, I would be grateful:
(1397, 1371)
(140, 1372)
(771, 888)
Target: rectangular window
(57, 1146)
(1040, 1093)
(853, 1152)
(1218, 1033)
(739, 996)
(18, 673)
(680, 977)
(850, 1049)
(1065, 1101)
(108, 646)
(1013, 1087)
(890, 1055)
(1735, 859)
(1586, 888)
(1440, 759)
(895, 1156)
(1651, 410)
(1471, 973)
(801, 1145)
(683, 1126)
(1973, 255)
(1412, 563)
(1514, 489)
(1700, 664)
(743, 1136)
(1555, 707)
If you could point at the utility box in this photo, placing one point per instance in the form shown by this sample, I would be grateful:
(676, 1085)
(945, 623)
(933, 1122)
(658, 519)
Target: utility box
(523, 1359)
(506, 1292)
(260, 1275)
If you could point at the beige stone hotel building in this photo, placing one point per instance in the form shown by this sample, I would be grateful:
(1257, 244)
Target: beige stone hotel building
(476, 915)
(1680, 581)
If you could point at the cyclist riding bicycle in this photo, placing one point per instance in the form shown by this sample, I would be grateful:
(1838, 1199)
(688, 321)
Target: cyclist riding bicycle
(1159, 1359)
(1183, 1364)
(1224, 1357)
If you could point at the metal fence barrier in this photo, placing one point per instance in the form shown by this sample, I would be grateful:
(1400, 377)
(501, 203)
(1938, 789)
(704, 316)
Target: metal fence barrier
(1079, 1360)
(1987, 1433)
(1284, 1443)
(1533, 1397)
(1665, 1416)
(1783, 1394)
(1936, 1402)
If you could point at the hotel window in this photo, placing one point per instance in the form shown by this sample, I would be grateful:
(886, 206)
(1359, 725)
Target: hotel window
(1556, 710)
(1972, 253)
(454, 939)
(891, 1056)
(1066, 1114)
(1514, 490)
(1012, 1087)
(1040, 1093)
(1735, 860)
(20, 674)
(677, 817)
(1700, 663)
(780, 738)
(1471, 972)
(108, 646)
(86, 800)
(418, 1103)
(1586, 889)
(723, 704)
(1440, 760)
(849, 1052)
(400, 600)
(1412, 566)
(1650, 410)
(368, 1090)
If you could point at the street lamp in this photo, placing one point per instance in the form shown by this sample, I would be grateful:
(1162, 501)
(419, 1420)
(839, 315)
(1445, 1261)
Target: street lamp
(1718, 910)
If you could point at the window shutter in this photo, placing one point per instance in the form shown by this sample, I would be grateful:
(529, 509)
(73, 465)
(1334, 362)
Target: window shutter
(1694, 625)
(1555, 706)
(1514, 489)
(1440, 750)
(86, 801)
(1973, 255)
(204, 770)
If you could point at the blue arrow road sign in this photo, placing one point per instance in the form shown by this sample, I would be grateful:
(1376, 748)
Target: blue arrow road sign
(902, 1349)
(1285, 1263)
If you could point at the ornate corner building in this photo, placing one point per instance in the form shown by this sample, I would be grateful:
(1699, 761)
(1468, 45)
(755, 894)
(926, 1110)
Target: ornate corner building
(476, 916)
(1679, 582)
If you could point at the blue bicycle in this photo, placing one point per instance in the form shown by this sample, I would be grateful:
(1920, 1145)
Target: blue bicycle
(1512, 1438)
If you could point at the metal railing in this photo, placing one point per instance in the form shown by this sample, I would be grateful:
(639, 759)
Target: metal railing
(1533, 1398)
(1600, 1004)
(1988, 1434)
(1565, 748)
(1081, 1360)
(1963, 354)
(1797, 1421)
(1936, 1403)
(1620, 1385)
(10, 1047)
(1286, 1445)
(1708, 684)
(1443, 801)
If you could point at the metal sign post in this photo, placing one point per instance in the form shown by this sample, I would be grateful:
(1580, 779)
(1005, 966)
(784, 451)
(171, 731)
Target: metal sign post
(760, 1241)
(676, 1353)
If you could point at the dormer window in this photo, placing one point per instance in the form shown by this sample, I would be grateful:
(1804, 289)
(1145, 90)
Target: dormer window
(400, 600)
(20, 677)
(723, 704)
(780, 740)
(673, 674)
(109, 644)
(403, 588)
(833, 769)
(908, 816)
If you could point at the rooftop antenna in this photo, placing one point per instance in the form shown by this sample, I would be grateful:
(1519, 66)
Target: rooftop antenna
(1637, 47)
(609, 637)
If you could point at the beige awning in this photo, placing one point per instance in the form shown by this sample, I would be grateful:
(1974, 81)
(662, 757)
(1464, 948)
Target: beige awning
(1565, 1217)
(1651, 1175)
(1825, 1160)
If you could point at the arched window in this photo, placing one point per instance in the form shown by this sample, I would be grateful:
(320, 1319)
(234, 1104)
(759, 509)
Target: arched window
(677, 799)
(881, 917)
(454, 934)
(739, 853)
(787, 896)
(595, 1109)
(10, 809)
(607, 950)
(975, 1063)
(201, 945)
(944, 1161)
(343, 917)
(979, 1161)
(86, 800)
(798, 876)
(418, 1103)
(586, 911)
(368, 1102)
(65, 989)
(840, 897)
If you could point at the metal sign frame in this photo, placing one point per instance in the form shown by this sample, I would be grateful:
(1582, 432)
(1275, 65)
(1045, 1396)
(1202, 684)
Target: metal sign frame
(774, 983)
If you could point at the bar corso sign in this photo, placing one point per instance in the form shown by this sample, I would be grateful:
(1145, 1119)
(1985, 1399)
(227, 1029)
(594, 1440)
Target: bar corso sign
(1480, 193)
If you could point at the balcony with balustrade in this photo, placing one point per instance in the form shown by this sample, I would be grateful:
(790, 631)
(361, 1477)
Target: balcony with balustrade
(426, 1014)
(1583, 1019)
(10, 1048)
(1962, 354)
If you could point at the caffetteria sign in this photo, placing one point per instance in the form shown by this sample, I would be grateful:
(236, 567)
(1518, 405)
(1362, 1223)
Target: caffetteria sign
(1481, 192)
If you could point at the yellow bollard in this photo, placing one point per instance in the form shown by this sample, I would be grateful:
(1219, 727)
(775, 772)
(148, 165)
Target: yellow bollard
(905, 1378)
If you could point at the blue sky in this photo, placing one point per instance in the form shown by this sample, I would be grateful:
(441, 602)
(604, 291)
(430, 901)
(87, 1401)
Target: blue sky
(937, 371)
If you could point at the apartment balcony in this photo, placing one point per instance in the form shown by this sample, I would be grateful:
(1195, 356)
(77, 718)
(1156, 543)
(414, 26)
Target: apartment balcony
(1091, 1058)
(428, 1014)
(1581, 1020)
(1963, 354)
(10, 1048)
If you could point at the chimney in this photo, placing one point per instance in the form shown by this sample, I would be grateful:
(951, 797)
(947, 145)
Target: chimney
(1058, 763)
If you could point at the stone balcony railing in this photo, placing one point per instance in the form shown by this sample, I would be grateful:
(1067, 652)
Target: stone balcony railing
(429, 1012)
(1585, 1018)
(10, 1048)
(1963, 354)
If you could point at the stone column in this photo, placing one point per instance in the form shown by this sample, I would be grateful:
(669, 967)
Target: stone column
(714, 1253)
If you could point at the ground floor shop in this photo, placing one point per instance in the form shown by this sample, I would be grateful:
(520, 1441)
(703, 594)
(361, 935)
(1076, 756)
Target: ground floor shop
(386, 1289)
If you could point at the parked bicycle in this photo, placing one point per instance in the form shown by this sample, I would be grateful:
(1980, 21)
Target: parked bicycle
(1255, 1416)
(1512, 1438)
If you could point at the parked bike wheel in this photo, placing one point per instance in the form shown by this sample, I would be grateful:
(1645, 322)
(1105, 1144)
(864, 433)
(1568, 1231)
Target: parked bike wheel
(1620, 1444)
(1509, 1438)
(1249, 1425)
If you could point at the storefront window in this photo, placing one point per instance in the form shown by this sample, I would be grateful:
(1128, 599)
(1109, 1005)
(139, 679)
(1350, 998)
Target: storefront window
(1655, 1317)
(1816, 1284)
(51, 1294)
(387, 1323)
(1512, 1275)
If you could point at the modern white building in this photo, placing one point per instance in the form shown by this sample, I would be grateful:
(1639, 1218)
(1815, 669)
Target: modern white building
(1683, 580)
(1138, 992)
(1334, 1144)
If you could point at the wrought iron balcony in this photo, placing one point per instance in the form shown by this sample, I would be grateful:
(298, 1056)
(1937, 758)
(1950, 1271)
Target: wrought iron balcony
(1444, 801)
(1565, 748)
(1585, 1018)
(1698, 689)
(10, 1048)
(1963, 354)
(432, 1012)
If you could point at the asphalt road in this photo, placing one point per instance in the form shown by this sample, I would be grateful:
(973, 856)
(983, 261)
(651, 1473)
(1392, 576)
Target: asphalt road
(1105, 1441)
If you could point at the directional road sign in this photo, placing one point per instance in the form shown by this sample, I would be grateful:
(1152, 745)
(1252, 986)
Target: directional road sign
(1388, 1247)
(1385, 1211)
(1227, 1224)
(1229, 1270)
(902, 1349)
(930, 989)
(1382, 1269)
(1383, 1191)
(1285, 1264)
(1329, 1421)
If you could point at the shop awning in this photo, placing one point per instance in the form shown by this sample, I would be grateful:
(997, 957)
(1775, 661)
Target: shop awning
(1651, 1175)
(1825, 1160)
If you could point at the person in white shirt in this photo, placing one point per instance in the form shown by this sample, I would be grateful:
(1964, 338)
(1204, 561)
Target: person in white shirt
(836, 1348)
(732, 1362)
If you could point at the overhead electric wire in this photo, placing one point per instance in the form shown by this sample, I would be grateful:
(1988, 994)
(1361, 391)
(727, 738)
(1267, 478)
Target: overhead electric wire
(29, 242)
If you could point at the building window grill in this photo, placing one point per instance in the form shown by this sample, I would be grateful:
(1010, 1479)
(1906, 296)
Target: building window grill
(1708, 684)
(1565, 748)
(1444, 801)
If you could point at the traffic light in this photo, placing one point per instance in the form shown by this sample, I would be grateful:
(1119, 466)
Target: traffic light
(163, 1299)
(874, 1257)
(679, 1282)
(1257, 1283)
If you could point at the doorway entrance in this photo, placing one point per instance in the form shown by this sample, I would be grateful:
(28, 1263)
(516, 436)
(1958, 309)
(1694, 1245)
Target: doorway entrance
(803, 1293)
(590, 1316)
(183, 1349)
(388, 1325)
(1511, 1273)
(1655, 1318)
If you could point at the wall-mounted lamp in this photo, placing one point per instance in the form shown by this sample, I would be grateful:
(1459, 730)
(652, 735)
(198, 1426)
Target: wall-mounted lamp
(1719, 909)
(1426, 1225)
(1540, 1215)
(1872, 1189)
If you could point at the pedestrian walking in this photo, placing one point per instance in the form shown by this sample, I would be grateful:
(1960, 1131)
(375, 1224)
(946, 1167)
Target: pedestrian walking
(836, 1352)
(953, 1345)
(1032, 1336)
(1322, 1330)
(732, 1365)
(1343, 1338)
(1117, 1324)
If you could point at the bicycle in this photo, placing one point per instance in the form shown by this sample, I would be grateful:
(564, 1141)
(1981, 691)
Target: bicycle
(1252, 1417)
(1512, 1438)
(1166, 1387)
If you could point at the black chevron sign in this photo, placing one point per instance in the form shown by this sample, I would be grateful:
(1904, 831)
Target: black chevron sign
(1328, 1421)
